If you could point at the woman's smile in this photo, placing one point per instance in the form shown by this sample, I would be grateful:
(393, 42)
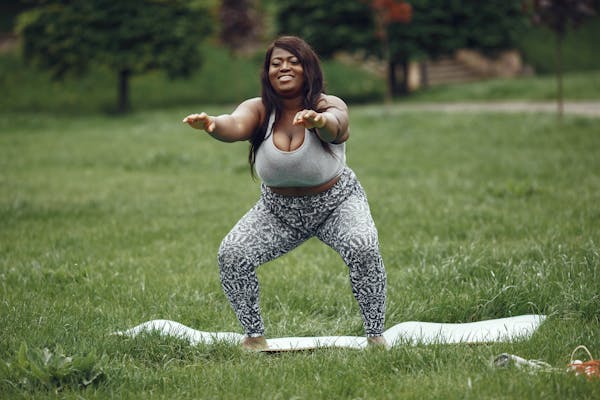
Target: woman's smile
(286, 73)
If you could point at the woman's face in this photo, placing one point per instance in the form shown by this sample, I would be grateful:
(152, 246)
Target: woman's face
(286, 73)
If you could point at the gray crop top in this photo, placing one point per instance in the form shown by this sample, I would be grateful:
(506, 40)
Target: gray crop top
(308, 165)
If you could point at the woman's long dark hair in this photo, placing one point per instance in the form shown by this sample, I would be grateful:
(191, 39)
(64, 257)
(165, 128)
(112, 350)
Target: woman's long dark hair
(311, 91)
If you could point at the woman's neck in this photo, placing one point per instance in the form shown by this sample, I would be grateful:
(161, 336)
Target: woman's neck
(293, 104)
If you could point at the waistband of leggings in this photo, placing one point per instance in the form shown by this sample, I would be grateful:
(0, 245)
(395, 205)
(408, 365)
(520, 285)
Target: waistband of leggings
(346, 180)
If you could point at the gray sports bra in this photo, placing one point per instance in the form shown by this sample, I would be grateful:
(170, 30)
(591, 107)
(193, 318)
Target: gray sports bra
(308, 165)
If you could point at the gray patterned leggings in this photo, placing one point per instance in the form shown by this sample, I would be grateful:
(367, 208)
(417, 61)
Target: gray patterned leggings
(339, 217)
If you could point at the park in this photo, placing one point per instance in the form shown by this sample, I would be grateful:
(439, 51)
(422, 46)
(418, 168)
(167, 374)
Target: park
(112, 217)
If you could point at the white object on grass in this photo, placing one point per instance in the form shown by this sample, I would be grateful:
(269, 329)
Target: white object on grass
(405, 333)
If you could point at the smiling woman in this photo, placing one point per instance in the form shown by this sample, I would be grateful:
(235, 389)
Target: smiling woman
(286, 73)
(298, 140)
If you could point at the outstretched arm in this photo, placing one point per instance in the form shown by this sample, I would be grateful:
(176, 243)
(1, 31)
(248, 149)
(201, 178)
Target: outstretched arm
(331, 124)
(237, 126)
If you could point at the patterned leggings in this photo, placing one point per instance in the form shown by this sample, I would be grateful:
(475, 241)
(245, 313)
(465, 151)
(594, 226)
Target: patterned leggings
(339, 217)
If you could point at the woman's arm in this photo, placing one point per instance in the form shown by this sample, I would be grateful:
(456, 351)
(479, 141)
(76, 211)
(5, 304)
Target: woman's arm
(237, 126)
(332, 123)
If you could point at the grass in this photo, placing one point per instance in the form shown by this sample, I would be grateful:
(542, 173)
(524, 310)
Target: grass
(109, 222)
(578, 86)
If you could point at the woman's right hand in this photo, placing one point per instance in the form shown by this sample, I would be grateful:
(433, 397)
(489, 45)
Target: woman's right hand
(201, 121)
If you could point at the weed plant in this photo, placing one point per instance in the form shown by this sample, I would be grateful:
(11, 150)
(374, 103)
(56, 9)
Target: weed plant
(109, 222)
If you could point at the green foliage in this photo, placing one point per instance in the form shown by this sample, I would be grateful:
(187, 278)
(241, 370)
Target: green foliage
(491, 26)
(9, 9)
(569, 25)
(134, 35)
(226, 80)
(128, 37)
(52, 370)
(329, 27)
(440, 27)
(222, 79)
(559, 15)
(437, 27)
(580, 52)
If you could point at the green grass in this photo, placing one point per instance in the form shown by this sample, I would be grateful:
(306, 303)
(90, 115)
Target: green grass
(578, 86)
(109, 222)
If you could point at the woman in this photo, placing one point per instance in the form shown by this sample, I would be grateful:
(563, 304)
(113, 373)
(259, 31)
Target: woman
(297, 140)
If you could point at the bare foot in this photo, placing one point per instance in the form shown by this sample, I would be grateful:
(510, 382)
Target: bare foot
(377, 342)
(254, 343)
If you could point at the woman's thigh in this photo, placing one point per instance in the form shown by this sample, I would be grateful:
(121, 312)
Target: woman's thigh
(259, 236)
(350, 226)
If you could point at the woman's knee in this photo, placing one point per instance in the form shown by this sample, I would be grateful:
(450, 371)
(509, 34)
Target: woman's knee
(232, 256)
(362, 242)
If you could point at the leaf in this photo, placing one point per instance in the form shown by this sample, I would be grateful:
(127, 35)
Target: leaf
(54, 369)
(22, 360)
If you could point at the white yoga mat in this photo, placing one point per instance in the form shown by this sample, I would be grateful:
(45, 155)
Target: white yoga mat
(405, 333)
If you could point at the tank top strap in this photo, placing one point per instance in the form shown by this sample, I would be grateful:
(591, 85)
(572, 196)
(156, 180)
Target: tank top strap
(270, 124)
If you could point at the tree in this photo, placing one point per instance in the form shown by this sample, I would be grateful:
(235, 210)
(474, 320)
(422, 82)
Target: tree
(436, 28)
(387, 12)
(329, 27)
(558, 16)
(129, 37)
(240, 23)
(345, 25)
(493, 26)
(440, 27)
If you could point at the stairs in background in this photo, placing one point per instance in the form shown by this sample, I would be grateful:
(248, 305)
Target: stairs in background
(448, 70)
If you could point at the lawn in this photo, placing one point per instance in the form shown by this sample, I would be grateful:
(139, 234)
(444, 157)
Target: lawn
(109, 222)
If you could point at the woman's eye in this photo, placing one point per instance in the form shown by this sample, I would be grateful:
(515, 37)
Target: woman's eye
(279, 63)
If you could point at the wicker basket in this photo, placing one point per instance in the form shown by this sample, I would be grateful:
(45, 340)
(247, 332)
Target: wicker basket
(590, 368)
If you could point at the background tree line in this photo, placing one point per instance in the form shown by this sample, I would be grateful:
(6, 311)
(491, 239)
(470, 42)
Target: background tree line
(135, 36)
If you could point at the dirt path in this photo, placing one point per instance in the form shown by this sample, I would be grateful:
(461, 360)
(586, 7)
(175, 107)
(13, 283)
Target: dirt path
(585, 108)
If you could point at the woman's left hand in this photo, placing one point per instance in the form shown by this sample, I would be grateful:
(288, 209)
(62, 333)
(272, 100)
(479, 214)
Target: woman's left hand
(310, 119)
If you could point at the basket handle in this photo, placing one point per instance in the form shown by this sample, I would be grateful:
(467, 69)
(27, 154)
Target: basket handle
(581, 347)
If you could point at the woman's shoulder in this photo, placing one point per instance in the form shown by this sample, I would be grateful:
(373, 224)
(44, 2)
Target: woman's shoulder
(330, 101)
(253, 106)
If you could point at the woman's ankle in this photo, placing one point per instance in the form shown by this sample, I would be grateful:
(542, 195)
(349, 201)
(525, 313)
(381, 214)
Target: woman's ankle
(254, 343)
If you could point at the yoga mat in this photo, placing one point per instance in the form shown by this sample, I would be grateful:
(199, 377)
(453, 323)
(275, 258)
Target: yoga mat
(405, 333)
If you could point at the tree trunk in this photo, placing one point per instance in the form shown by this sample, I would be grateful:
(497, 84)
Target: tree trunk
(391, 79)
(123, 104)
(559, 76)
(389, 93)
(424, 74)
(403, 89)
